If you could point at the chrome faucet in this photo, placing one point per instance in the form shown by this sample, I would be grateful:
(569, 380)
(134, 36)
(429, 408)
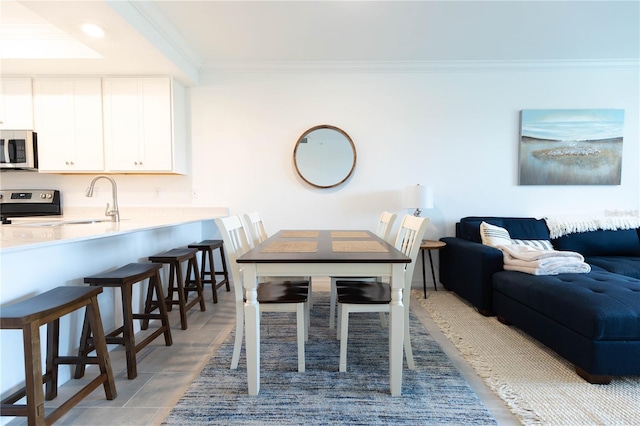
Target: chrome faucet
(114, 213)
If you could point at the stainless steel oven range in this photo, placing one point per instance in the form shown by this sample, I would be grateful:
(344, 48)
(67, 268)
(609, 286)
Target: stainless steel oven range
(29, 202)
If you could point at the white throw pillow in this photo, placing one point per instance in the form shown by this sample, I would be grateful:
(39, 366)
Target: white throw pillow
(494, 235)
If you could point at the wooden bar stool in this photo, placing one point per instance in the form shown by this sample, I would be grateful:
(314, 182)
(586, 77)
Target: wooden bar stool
(181, 283)
(207, 247)
(124, 278)
(28, 316)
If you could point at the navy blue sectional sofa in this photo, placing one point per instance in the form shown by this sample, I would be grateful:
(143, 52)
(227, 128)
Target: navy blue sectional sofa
(592, 320)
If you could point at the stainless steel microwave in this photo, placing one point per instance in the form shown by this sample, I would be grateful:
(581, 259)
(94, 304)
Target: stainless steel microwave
(18, 150)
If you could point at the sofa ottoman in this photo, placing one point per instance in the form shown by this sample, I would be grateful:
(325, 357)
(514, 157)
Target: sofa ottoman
(592, 320)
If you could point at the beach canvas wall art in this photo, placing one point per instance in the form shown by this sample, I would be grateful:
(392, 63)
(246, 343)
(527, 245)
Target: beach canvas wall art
(571, 146)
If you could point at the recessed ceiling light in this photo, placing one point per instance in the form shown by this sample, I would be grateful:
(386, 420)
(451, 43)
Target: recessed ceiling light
(92, 30)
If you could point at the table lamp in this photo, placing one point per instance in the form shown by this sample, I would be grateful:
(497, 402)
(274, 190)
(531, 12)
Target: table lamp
(418, 197)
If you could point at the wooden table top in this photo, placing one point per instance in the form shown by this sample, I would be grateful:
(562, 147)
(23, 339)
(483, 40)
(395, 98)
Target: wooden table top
(324, 246)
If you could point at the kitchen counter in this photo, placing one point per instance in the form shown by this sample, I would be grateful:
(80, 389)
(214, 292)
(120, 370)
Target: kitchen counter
(29, 233)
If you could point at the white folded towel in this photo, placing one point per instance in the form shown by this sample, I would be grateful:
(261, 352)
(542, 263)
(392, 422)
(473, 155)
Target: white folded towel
(576, 268)
(537, 261)
(549, 262)
(530, 253)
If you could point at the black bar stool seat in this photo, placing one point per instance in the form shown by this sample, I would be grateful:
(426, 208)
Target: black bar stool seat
(180, 282)
(124, 278)
(28, 316)
(207, 247)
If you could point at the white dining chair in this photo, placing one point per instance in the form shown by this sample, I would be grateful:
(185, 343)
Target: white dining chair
(383, 230)
(256, 227)
(375, 296)
(258, 233)
(273, 296)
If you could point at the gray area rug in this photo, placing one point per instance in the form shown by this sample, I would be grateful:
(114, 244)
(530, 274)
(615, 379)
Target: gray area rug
(433, 393)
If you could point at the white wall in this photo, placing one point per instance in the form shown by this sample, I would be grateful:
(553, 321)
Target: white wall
(455, 130)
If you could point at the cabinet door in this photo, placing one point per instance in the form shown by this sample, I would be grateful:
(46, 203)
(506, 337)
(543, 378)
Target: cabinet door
(16, 104)
(68, 115)
(157, 139)
(138, 124)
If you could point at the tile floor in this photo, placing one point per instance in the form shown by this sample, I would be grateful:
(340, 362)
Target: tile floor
(164, 372)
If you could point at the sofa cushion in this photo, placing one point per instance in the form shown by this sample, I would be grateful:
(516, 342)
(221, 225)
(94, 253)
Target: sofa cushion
(621, 242)
(597, 305)
(629, 266)
(518, 227)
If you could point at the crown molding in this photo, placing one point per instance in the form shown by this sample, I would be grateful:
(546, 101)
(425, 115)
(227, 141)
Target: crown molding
(422, 66)
(149, 21)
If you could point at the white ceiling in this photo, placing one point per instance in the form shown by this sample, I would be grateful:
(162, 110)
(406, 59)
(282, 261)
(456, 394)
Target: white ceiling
(182, 38)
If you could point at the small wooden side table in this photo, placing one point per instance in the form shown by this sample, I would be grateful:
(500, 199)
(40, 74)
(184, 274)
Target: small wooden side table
(429, 245)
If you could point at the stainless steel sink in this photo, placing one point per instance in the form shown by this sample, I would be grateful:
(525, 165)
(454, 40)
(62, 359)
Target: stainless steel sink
(65, 222)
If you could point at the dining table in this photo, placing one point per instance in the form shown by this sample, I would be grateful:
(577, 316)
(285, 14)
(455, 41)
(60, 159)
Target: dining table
(323, 253)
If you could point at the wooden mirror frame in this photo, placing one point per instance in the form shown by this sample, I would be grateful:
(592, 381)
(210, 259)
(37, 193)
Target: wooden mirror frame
(340, 179)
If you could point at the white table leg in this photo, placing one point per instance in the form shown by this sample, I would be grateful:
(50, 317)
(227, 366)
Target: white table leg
(252, 327)
(396, 330)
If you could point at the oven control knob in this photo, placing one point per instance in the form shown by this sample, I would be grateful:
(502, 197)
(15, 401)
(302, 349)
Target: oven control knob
(43, 196)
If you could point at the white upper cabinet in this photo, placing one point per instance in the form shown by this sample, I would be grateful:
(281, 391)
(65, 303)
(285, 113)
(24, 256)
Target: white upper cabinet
(68, 120)
(144, 125)
(16, 103)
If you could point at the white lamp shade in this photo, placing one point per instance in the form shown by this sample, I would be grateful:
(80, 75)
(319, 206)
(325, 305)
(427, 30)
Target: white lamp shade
(418, 197)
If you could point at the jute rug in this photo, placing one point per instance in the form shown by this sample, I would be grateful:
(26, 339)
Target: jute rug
(539, 386)
(433, 394)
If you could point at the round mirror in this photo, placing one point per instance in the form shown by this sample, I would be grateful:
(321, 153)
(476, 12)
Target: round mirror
(324, 156)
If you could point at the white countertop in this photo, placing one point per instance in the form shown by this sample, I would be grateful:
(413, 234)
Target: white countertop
(26, 233)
